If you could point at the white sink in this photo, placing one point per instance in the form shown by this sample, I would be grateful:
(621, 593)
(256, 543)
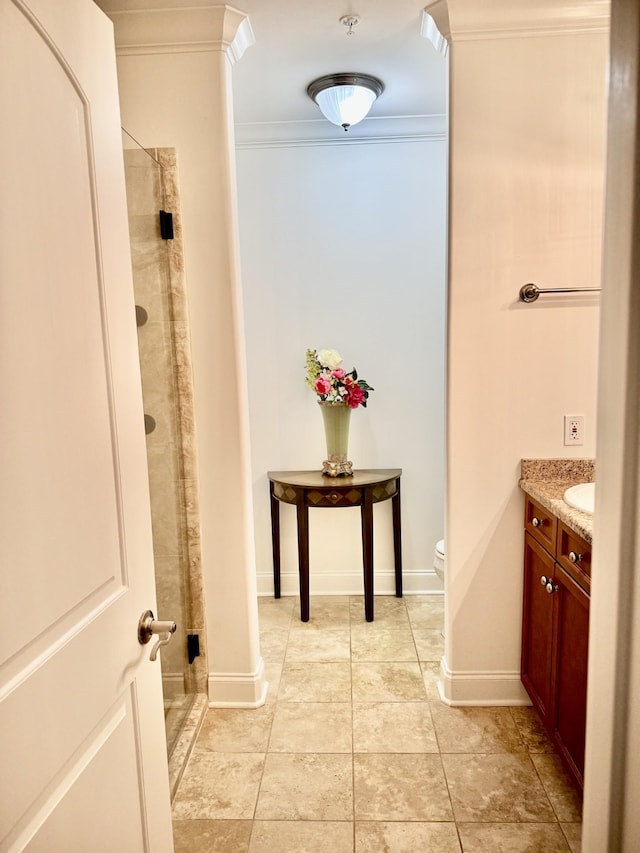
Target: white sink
(582, 497)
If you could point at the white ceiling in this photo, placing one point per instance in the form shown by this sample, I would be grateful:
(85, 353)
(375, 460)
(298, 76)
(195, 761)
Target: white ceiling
(299, 40)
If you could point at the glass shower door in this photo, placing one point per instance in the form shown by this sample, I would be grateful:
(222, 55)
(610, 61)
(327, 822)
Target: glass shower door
(160, 388)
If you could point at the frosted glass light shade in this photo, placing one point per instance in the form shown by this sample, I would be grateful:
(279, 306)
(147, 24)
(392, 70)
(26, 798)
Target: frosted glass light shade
(345, 99)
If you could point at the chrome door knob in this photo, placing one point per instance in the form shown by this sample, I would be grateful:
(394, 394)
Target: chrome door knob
(551, 587)
(537, 522)
(544, 580)
(574, 557)
(148, 626)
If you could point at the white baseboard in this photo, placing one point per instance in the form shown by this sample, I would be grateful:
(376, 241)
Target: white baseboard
(238, 689)
(480, 688)
(415, 581)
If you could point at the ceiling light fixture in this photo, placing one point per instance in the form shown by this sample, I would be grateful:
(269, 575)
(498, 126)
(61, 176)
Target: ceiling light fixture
(345, 99)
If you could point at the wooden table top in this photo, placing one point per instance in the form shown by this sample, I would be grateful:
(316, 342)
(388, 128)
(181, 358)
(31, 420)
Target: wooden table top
(318, 480)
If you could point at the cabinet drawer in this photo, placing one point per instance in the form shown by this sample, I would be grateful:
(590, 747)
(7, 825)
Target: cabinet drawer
(574, 555)
(541, 524)
(336, 497)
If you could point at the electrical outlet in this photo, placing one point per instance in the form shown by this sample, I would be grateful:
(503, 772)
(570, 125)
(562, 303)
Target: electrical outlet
(574, 429)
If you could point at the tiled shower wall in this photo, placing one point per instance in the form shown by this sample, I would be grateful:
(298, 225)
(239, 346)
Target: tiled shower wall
(165, 361)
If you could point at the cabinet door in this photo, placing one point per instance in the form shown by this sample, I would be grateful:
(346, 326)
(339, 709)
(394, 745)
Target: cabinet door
(537, 627)
(570, 670)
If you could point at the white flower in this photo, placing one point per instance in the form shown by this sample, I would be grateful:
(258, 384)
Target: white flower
(329, 358)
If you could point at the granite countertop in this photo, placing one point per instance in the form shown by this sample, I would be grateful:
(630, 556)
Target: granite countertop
(546, 480)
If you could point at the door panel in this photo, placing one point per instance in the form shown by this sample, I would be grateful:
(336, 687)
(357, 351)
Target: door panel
(537, 630)
(81, 721)
(88, 804)
(48, 322)
(570, 670)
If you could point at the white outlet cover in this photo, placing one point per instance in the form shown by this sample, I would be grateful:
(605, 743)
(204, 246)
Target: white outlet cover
(573, 430)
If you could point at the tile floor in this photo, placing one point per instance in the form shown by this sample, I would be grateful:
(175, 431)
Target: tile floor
(354, 752)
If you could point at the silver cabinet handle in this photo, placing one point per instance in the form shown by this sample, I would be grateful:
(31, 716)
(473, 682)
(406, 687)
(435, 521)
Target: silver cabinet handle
(537, 522)
(148, 626)
(548, 584)
(574, 557)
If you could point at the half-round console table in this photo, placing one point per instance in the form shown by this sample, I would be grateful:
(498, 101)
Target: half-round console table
(306, 489)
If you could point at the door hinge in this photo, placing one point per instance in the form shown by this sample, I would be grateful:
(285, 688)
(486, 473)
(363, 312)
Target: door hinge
(166, 225)
(193, 646)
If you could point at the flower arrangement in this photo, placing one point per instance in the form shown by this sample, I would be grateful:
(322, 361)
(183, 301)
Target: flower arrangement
(332, 383)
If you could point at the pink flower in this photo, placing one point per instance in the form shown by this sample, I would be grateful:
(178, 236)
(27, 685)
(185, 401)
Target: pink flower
(355, 396)
(322, 385)
(338, 373)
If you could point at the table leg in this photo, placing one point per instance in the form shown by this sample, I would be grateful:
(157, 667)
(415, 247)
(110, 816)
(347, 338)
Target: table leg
(303, 557)
(367, 552)
(275, 541)
(397, 539)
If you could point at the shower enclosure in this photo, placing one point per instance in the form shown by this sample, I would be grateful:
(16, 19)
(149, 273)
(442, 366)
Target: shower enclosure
(167, 388)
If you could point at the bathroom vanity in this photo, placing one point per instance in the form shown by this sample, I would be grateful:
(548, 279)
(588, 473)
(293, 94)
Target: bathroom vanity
(555, 618)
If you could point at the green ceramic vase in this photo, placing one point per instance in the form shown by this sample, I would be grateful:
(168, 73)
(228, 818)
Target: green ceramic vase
(336, 417)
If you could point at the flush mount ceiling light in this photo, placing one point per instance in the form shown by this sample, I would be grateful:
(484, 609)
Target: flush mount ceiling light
(345, 99)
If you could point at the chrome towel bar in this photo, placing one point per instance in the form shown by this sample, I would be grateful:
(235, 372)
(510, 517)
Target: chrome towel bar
(530, 292)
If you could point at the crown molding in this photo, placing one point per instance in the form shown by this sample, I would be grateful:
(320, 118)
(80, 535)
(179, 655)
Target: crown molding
(192, 29)
(434, 25)
(288, 134)
(470, 20)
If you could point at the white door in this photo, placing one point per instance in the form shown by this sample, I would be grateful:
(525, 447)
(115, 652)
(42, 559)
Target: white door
(81, 719)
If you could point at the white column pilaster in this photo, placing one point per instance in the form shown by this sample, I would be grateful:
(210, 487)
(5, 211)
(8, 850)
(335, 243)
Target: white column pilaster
(175, 89)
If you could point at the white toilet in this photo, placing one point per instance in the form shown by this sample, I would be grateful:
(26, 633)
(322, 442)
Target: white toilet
(438, 559)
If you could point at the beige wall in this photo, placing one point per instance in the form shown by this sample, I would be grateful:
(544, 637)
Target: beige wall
(527, 166)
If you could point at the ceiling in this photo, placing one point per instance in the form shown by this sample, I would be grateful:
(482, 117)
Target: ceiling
(299, 40)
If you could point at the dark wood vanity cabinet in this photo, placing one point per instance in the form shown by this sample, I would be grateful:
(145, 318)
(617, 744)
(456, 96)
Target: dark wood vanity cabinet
(555, 630)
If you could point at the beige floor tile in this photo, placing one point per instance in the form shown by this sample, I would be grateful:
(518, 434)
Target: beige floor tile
(400, 787)
(301, 836)
(393, 727)
(219, 785)
(312, 727)
(273, 644)
(398, 837)
(353, 724)
(475, 729)
(331, 644)
(387, 682)
(426, 611)
(512, 838)
(235, 730)
(532, 732)
(371, 642)
(275, 612)
(306, 787)
(326, 612)
(430, 676)
(388, 611)
(496, 789)
(315, 682)
(573, 834)
(212, 836)
(272, 674)
(429, 643)
(431, 599)
(564, 795)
